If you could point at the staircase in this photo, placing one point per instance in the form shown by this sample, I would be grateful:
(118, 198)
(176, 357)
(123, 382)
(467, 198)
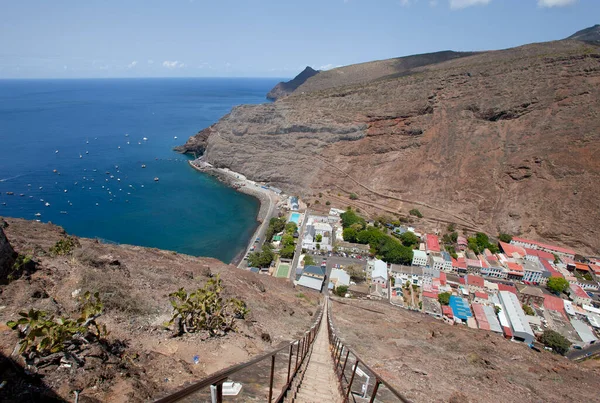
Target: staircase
(317, 382)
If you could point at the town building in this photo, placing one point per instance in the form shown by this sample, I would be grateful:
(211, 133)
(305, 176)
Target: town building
(379, 275)
(419, 258)
(532, 272)
(436, 262)
(531, 295)
(462, 242)
(460, 308)
(475, 283)
(486, 318)
(355, 248)
(584, 332)
(579, 296)
(473, 266)
(447, 261)
(339, 277)
(494, 269)
(459, 265)
(511, 306)
(559, 250)
(432, 243)
(412, 274)
(312, 277)
(317, 227)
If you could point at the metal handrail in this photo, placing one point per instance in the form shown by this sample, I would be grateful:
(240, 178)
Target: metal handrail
(338, 350)
(217, 379)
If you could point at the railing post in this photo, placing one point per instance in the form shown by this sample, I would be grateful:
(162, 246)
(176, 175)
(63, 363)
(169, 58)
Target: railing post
(340, 356)
(290, 362)
(377, 383)
(345, 361)
(216, 393)
(271, 380)
(297, 355)
(351, 380)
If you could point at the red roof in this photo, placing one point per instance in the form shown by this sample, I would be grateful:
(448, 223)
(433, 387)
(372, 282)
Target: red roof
(579, 291)
(475, 280)
(462, 280)
(460, 263)
(481, 295)
(542, 255)
(430, 294)
(443, 277)
(480, 316)
(484, 263)
(461, 240)
(582, 267)
(595, 268)
(433, 242)
(506, 287)
(552, 270)
(545, 246)
(515, 267)
(511, 249)
(507, 331)
(446, 310)
(473, 263)
(554, 304)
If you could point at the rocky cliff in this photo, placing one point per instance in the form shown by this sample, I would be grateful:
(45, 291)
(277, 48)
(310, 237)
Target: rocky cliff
(498, 141)
(285, 88)
(7, 255)
(588, 34)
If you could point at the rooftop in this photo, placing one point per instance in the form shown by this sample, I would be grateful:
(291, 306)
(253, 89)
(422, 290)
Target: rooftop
(433, 242)
(579, 291)
(510, 250)
(475, 280)
(545, 246)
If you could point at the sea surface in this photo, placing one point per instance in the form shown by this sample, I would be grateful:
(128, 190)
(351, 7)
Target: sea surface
(79, 145)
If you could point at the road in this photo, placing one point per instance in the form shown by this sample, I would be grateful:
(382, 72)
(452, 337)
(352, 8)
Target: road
(262, 228)
(298, 252)
(594, 349)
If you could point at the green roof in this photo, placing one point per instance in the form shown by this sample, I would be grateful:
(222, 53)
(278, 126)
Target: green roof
(277, 238)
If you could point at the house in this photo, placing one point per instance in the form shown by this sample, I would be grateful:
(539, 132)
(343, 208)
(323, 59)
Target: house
(432, 243)
(494, 269)
(486, 318)
(339, 277)
(314, 271)
(473, 266)
(460, 308)
(584, 332)
(534, 255)
(447, 311)
(372, 264)
(553, 303)
(480, 297)
(513, 251)
(379, 275)
(559, 250)
(419, 258)
(436, 262)
(462, 242)
(532, 272)
(312, 277)
(459, 265)
(506, 287)
(515, 271)
(293, 203)
(475, 283)
(579, 296)
(317, 227)
(511, 306)
(447, 261)
(412, 274)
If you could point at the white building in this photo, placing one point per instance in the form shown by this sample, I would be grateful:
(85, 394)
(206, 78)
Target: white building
(532, 272)
(317, 227)
(447, 261)
(585, 333)
(419, 258)
(339, 277)
(436, 262)
(511, 306)
(412, 274)
(379, 273)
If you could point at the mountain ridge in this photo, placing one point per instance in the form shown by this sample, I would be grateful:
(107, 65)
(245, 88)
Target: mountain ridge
(287, 87)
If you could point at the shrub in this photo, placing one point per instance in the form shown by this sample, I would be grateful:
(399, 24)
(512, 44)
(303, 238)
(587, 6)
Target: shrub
(444, 298)
(505, 238)
(557, 285)
(63, 246)
(528, 310)
(353, 196)
(416, 213)
(341, 290)
(205, 309)
(328, 203)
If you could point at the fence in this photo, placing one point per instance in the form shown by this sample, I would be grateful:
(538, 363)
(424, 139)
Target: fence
(355, 375)
(254, 374)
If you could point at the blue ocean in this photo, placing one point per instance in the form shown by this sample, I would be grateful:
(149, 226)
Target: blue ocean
(84, 154)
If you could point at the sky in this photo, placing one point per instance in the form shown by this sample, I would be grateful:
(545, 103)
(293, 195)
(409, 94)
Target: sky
(261, 38)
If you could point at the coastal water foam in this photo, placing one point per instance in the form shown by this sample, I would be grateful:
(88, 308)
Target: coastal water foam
(95, 156)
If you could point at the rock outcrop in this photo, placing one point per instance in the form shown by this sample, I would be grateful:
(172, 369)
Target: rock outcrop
(588, 34)
(496, 141)
(7, 255)
(286, 88)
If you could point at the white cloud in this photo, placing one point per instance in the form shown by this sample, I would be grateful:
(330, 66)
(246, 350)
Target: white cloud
(405, 3)
(556, 3)
(150, 61)
(132, 64)
(326, 67)
(458, 4)
(175, 64)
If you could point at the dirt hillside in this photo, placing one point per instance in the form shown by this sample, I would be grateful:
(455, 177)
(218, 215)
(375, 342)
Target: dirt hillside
(134, 284)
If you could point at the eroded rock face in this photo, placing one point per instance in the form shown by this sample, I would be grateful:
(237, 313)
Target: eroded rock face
(283, 89)
(7, 256)
(499, 141)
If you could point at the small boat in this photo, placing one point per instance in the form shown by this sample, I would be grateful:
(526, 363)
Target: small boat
(29, 185)
(87, 152)
(143, 165)
(145, 139)
(10, 193)
(38, 220)
(128, 142)
(47, 204)
(119, 147)
(65, 190)
(87, 142)
(54, 170)
(38, 214)
(126, 134)
(63, 212)
(108, 173)
(22, 194)
(56, 152)
(80, 156)
(4, 203)
(175, 137)
(156, 179)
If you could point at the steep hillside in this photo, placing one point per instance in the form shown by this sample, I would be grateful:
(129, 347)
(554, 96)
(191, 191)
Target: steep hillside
(286, 88)
(499, 141)
(429, 361)
(134, 284)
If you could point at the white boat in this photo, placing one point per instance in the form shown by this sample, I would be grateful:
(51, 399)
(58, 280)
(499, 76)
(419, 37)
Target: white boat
(87, 152)
(63, 212)
(143, 165)
(38, 214)
(175, 137)
(80, 156)
(145, 139)
(47, 204)
(126, 134)
(56, 152)
(156, 179)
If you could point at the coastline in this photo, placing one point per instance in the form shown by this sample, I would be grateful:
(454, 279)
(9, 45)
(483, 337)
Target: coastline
(266, 198)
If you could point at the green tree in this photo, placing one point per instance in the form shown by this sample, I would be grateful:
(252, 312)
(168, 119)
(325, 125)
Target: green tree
(556, 341)
(356, 273)
(341, 290)
(350, 217)
(416, 213)
(444, 298)
(262, 258)
(557, 285)
(528, 310)
(309, 261)
(353, 196)
(319, 238)
(409, 239)
(287, 252)
(290, 228)
(505, 238)
(349, 234)
(318, 246)
(451, 227)
(497, 309)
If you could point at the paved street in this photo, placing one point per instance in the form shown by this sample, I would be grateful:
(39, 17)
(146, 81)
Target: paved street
(298, 252)
(594, 349)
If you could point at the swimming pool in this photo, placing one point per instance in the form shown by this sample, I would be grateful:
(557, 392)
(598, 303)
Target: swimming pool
(295, 218)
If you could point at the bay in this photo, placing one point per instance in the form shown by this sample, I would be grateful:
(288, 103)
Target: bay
(79, 146)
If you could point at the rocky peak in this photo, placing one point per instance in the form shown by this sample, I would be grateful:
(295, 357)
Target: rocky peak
(7, 255)
(286, 88)
(588, 34)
